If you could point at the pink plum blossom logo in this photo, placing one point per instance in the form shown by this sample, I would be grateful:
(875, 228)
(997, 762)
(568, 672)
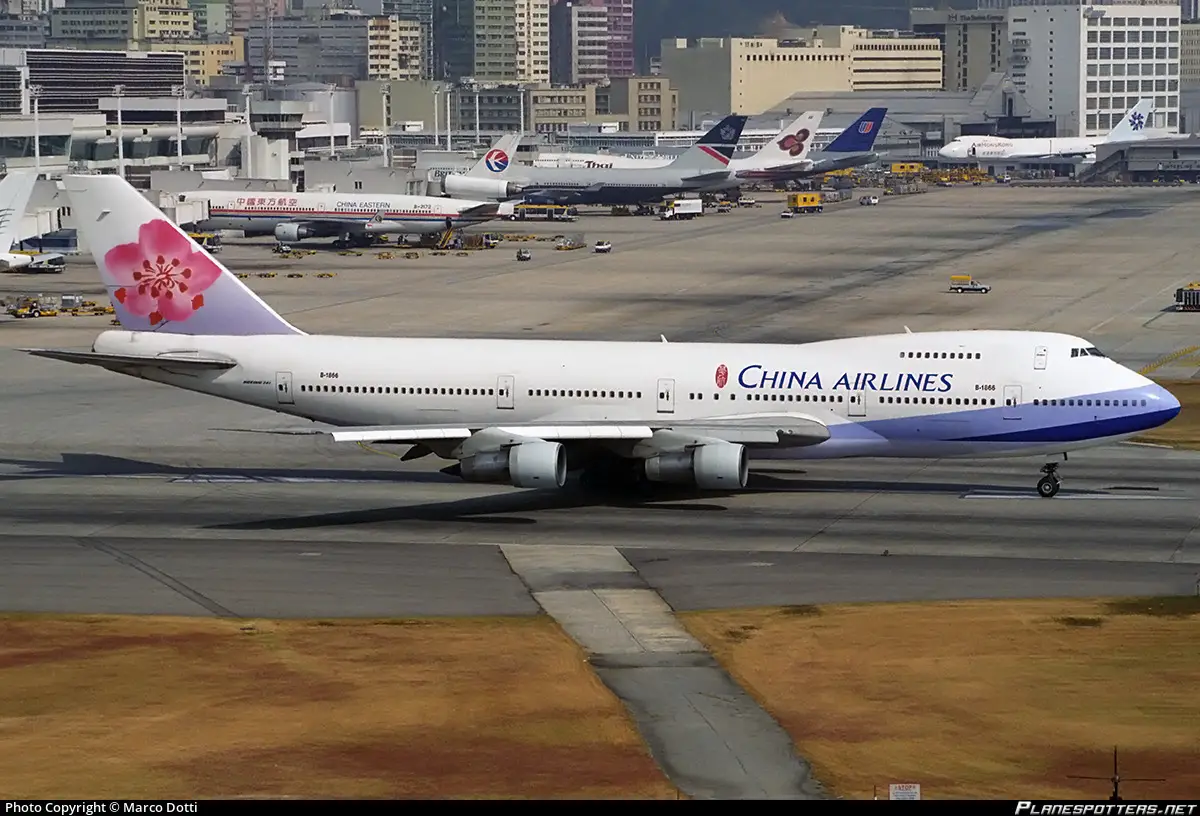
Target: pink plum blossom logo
(162, 276)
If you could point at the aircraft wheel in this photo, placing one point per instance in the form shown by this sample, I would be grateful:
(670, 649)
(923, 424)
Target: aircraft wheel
(1047, 487)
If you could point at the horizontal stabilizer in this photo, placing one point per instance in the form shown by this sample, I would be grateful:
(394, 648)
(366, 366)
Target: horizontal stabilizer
(177, 360)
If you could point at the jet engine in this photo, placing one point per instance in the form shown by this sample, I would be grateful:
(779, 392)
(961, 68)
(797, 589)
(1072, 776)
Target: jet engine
(471, 187)
(287, 233)
(14, 260)
(715, 466)
(529, 464)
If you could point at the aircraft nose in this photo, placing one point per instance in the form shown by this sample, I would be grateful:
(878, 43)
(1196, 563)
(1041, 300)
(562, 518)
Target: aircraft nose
(1161, 404)
(947, 152)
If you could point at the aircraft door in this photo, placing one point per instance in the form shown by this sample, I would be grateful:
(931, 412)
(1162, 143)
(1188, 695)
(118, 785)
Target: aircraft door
(858, 404)
(505, 386)
(666, 396)
(1012, 402)
(283, 388)
(1040, 355)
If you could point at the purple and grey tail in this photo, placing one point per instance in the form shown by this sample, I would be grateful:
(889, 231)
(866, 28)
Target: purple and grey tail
(158, 278)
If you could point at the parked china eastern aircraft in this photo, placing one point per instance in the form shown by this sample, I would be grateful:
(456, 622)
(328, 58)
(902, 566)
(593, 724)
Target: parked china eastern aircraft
(702, 166)
(525, 412)
(349, 217)
(1129, 129)
(15, 190)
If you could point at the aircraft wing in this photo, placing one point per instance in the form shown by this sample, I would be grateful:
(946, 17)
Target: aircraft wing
(1066, 154)
(481, 210)
(174, 361)
(719, 175)
(757, 430)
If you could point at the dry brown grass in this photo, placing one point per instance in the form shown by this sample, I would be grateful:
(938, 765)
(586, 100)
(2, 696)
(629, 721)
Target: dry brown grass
(109, 707)
(977, 699)
(1184, 430)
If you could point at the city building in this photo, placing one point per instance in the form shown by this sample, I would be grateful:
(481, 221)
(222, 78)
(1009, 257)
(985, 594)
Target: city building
(120, 24)
(974, 43)
(1189, 76)
(719, 75)
(337, 47)
(212, 19)
(204, 60)
(246, 13)
(492, 40)
(73, 81)
(24, 32)
(533, 40)
(579, 35)
(1086, 62)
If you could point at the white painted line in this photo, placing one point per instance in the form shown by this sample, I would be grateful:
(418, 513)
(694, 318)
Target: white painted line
(1096, 497)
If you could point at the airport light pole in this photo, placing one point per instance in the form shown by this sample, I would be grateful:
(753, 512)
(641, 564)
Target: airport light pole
(437, 112)
(246, 156)
(179, 91)
(385, 94)
(332, 142)
(449, 93)
(119, 92)
(35, 91)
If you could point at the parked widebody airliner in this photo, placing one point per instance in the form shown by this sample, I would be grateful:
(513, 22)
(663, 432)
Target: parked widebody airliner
(497, 176)
(352, 218)
(785, 158)
(15, 191)
(1130, 128)
(525, 412)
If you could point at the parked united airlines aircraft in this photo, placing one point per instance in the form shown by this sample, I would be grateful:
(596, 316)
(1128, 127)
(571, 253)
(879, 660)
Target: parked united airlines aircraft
(349, 217)
(703, 165)
(1129, 129)
(525, 412)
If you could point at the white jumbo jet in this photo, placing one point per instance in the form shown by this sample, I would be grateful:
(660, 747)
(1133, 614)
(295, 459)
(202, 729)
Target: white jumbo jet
(1129, 129)
(786, 152)
(525, 412)
(348, 217)
(15, 190)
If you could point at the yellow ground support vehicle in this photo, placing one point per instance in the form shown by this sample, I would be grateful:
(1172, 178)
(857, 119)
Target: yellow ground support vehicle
(805, 203)
(34, 306)
(209, 240)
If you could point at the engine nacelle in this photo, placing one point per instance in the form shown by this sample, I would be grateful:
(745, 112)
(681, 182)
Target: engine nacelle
(717, 466)
(288, 233)
(471, 187)
(530, 464)
(14, 260)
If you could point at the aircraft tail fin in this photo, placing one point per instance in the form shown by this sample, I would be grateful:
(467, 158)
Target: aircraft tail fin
(499, 158)
(15, 190)
(158, 278)
(790, 145)
(860, 136)
(715, 148)
(1133, 123)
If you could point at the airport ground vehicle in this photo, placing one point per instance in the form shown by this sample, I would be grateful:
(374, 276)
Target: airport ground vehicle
(524, 255)
(209, 240)
(805, 203)
(965, 283)
(868, 201)
(787, 214)
(34, 306)
(724, 206)
(603, 246)
(681, 209)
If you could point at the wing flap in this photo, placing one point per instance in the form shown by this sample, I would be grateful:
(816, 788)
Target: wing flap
(173, 360)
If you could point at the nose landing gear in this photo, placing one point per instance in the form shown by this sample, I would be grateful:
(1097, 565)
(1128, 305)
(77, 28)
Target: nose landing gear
(1047, 486)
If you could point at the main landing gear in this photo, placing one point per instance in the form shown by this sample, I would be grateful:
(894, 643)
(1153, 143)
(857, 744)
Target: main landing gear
(1047, 486)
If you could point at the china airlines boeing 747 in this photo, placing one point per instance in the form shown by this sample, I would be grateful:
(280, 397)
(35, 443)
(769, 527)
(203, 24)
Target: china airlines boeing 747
(525, 412)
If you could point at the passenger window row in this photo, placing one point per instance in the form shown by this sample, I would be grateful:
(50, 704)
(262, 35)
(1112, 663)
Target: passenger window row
(776, 397)
(1113, 403)
(937, 400)
(393, 389)
(943, 355)
(584, 393)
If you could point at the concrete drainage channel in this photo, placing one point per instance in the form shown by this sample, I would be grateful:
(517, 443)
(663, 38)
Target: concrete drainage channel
(710, 737)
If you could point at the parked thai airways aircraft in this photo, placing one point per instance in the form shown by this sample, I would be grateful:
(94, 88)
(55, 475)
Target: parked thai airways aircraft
(703, 165)
(788, 150)
(15, 190)
(1129, 129)
(524, 412)
(784, 158)
(350, 217)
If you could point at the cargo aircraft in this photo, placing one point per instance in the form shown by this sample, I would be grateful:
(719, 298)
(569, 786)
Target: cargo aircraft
(526, 412)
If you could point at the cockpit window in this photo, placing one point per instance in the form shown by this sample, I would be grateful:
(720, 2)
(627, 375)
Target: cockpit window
(1095, 352)
(1091, 351)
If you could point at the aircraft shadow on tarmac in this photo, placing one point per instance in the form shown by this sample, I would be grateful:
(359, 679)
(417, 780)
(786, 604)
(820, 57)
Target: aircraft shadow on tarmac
(507, 508)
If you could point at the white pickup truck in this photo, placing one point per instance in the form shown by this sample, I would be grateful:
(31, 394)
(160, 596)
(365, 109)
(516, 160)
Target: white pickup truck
(961, 287)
